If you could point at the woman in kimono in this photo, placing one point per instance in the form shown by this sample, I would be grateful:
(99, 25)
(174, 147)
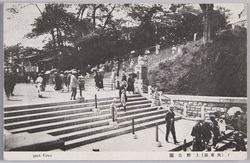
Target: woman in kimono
(131, 82)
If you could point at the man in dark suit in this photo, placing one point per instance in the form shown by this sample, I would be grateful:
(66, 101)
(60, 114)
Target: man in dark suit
(170, 124)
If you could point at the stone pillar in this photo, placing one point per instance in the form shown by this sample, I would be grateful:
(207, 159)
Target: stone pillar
(171, 102)
(138, 86)
(202, 112)
(142, 76)
(184, 109)
(149, 90)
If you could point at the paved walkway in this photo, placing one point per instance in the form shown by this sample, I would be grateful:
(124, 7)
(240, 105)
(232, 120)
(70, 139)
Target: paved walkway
(25, 94)
(145, 141)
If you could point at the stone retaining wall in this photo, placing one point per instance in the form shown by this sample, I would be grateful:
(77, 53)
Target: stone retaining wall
(193, 104)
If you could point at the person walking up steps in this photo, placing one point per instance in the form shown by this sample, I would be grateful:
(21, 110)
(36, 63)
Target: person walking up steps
(73, 84)
(170, 124)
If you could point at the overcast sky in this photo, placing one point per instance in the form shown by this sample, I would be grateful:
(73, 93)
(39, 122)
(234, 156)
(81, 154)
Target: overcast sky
(18, 25)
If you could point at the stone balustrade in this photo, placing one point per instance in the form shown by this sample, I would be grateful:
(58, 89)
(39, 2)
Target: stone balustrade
(191, 106)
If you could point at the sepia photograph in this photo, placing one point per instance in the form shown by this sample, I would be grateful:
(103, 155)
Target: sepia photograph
(125, 81)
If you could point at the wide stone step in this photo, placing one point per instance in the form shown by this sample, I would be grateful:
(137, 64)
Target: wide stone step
(60, 118)
(113, 133)
(51, 126)
(83, 127)
(80, 131)
(32, 142)
(69, 111)
(77, 127)
(59, 108)
(92, 131)
(13, 108)
(127, 116)
(39, 125)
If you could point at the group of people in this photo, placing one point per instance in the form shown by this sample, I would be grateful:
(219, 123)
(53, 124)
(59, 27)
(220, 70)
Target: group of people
(127, 76)
(207, 133)
(65, 81)
(143, 60)
(126, 85)
(70, 80)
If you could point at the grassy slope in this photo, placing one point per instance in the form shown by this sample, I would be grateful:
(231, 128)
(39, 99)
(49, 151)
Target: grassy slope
(214, 69)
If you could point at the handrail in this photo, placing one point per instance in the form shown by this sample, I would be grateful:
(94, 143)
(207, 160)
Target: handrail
(166, 97)
(152, 89)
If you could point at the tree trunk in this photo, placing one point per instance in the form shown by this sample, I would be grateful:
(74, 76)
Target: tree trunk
(109, 16)
(93, 17)
(207, 10)
(54, 40)
(94, 14)
(82, 13)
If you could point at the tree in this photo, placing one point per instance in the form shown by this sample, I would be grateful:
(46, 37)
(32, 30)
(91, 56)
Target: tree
(145, 34)
(207, 10)
(56, 21)
(10, 51)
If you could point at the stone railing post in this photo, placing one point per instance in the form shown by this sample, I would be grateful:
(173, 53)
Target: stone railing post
(202, 112)
(184, 109)
(149, 90)
(171, 102)
(95, 101)
(140, 86)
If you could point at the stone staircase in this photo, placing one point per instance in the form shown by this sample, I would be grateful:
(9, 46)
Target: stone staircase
(75, 123)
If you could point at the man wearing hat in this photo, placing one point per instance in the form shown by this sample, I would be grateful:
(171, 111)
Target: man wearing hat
(170, 124)
(197, 133)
